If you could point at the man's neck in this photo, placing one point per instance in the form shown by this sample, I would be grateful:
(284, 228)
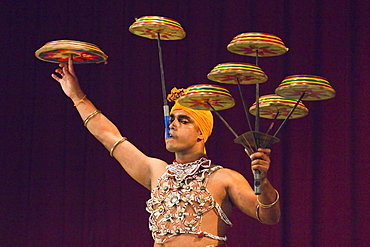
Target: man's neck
(186, 158)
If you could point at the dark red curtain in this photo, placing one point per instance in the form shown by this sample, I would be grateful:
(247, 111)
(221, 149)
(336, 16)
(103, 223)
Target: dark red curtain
(60, 187)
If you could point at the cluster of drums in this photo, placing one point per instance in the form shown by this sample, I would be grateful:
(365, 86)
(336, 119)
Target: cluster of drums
(284, 103)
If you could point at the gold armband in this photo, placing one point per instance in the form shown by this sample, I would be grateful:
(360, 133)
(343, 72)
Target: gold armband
(269, 205)
(116, 144)
(93, 114)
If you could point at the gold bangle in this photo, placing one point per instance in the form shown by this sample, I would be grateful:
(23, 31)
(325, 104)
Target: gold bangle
(91, 116)
(116, 144)
(258, 213)
(269, 205)
(80, 101)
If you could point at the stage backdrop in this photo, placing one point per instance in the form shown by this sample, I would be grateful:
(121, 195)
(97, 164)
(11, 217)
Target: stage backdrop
(60, 187)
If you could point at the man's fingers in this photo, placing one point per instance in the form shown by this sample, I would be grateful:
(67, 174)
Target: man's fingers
(267, 151)
(65, 69)
(55, 77)
(70, 64)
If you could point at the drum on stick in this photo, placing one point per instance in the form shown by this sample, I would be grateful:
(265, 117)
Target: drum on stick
(257, 45)
(58, 51)
(240, 74)
(304, 87)
(153, 26)
(274, 107)
(237, 73)
(207, 97)
(160, 28)
(312, 86)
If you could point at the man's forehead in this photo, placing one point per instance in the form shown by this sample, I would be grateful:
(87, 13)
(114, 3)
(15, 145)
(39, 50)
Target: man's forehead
(181, 113)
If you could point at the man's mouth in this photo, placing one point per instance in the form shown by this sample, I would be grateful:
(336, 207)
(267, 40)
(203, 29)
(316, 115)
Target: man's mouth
(170, 136)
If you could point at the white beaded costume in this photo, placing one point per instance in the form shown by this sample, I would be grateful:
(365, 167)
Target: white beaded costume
(180, 200)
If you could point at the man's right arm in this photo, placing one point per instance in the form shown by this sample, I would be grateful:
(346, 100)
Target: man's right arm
(139, 166)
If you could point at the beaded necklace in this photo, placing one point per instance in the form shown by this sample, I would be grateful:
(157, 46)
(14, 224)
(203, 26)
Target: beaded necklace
(183, 170)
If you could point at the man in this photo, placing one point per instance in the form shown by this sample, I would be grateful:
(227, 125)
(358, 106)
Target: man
(192, 197)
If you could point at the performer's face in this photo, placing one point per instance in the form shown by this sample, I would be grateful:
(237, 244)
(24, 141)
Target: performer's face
(184, 132)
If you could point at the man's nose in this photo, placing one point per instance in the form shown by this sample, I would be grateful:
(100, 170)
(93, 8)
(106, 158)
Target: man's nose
(173, 124)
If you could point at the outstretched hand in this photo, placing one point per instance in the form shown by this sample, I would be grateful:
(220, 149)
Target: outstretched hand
(68, 80)
(261, 161)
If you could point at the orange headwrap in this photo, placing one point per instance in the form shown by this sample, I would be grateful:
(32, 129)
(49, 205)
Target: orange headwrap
(203, 118)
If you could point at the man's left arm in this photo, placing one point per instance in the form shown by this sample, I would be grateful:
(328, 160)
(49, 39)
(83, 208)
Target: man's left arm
(264, 207)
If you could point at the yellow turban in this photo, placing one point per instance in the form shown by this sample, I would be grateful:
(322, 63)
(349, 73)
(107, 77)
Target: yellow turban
(203, 118)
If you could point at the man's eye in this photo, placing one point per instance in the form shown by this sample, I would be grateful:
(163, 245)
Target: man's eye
(184, 121)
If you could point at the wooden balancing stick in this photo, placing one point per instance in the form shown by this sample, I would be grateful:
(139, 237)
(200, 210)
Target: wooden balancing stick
(273, 123)
(166, 110)
(243, 102)
(152, 27)
(257, 173)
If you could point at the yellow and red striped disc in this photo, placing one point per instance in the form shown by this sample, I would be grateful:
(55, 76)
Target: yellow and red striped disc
(150, 26)
(314, 87)
(272, 104)
(231, 73)
(200, 96)
(249, 44)
(58, 51)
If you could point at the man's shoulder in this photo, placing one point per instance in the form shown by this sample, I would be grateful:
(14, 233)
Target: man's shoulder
(225, 174)
(224, 170)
